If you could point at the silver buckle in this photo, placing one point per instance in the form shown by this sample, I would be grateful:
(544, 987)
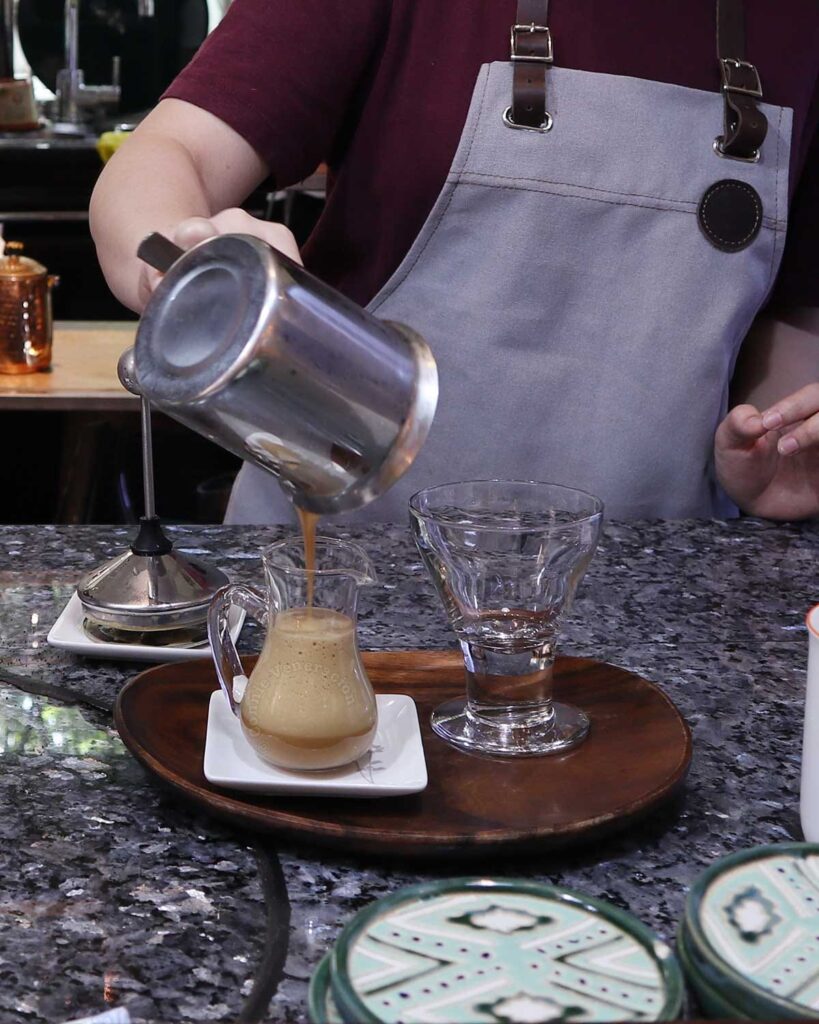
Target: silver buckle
(513, 44)
(545, 126)
(726, 63)
(719, 149)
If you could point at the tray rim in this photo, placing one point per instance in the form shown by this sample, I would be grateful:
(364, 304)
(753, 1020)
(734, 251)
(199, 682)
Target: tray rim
(414, 842)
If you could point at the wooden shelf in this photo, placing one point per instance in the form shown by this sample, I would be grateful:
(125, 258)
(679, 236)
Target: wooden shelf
(83, 373)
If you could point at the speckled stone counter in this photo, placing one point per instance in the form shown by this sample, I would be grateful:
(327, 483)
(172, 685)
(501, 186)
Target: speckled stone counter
(112, 892)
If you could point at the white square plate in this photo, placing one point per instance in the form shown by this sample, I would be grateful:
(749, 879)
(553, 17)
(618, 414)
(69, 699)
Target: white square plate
(395, 766)
(67, 634)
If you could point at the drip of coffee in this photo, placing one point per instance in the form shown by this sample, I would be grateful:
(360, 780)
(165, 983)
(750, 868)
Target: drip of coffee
(309, 522)
(308, 703)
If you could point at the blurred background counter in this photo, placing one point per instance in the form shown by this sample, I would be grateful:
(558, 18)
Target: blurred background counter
(78, 454)
(74, 455)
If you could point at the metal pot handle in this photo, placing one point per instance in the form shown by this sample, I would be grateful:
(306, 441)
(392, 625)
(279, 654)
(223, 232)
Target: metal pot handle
(229, 668)
(159, 252)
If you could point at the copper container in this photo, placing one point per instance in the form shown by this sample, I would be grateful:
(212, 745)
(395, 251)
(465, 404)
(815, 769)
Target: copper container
(18, 111)
(25, 312)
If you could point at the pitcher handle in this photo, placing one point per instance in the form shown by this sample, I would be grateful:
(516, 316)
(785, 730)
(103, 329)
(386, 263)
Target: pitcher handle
(229, 669)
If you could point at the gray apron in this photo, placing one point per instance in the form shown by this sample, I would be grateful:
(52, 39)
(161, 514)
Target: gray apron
(585, 327)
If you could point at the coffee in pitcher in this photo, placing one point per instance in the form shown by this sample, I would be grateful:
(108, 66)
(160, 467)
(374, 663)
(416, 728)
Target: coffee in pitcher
(308, 703)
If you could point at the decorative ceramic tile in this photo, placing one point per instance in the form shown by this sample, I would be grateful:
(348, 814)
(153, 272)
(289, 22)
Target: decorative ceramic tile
(708, 987)
(503, 957)
(762, 918)
(320, 1002)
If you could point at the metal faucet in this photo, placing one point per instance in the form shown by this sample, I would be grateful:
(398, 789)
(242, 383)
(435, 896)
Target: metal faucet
(73, 95)
(7, 18)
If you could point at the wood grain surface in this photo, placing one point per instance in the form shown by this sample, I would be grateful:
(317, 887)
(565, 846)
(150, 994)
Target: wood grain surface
(83, 372)
(636, 756)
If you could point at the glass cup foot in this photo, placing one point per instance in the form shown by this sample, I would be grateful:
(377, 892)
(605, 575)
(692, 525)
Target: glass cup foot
(556, 731)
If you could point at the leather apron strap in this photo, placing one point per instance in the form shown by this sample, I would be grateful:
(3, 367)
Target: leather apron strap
(745, 124)
(531, 54)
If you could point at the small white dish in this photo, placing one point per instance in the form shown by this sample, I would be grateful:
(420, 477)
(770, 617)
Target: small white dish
(68, 635)
(394, 766)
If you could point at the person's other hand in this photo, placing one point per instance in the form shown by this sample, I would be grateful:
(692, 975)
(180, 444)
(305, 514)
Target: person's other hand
(227, 222)
(768, 461)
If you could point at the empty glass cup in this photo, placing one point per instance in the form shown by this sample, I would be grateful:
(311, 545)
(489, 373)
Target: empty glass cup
(506, 558)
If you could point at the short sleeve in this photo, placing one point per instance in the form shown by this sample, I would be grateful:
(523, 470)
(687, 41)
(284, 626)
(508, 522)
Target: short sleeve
(285, 74)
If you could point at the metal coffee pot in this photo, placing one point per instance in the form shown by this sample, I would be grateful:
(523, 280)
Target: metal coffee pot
(246, 347)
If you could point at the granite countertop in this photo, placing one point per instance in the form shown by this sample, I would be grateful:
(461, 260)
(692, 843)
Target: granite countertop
(113, 892)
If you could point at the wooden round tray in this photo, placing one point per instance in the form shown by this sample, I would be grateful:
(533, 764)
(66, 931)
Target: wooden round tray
(636, 756)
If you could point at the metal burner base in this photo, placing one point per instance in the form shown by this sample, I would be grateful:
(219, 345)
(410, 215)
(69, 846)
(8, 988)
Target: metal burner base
(183, 636)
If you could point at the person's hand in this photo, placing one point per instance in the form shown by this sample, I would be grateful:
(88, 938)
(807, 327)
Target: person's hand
(768, 461)
(227, 222)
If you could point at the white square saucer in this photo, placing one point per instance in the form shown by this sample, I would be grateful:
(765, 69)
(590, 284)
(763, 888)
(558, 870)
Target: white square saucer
(67, 634)
(394, 766)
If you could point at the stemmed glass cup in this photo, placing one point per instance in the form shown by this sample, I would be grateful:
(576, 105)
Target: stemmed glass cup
(506, 558)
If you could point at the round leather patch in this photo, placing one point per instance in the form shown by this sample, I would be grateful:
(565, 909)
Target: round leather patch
(730, 214)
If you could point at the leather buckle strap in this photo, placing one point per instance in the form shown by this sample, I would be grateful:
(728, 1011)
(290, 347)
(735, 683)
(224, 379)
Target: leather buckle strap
(531, 48)
(745, 126)
(531, 52)
(740, 76)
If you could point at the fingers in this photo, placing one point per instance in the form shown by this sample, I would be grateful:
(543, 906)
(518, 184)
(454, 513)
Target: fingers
(148, 280)
(741, 428)
(236, 222)
(193, 231)
(797, 416)
(240, 222)
(792, 409)
(806, 435)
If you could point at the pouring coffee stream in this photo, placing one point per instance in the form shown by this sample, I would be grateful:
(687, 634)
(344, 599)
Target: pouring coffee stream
(309, 525)
(245, 346)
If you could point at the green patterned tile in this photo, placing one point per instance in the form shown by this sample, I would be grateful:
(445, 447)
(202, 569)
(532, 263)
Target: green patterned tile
(320, 1003)
(754, 919)
(474, 951)
(709, 995)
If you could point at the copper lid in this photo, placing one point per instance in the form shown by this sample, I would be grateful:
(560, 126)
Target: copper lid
(15, 267)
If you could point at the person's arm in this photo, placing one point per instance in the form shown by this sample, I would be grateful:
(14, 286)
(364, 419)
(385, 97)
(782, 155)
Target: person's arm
(183, 172)
(767, 447)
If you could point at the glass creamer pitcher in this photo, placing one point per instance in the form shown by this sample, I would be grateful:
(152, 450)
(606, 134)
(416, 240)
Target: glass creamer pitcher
(308, 704)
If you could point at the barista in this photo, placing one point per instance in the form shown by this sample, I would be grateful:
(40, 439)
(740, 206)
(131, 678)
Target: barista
(589, 236)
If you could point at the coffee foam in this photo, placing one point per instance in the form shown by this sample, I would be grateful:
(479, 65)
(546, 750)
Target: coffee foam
(309, 703)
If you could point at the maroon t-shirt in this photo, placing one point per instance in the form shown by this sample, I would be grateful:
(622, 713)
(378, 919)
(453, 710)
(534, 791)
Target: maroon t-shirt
(379, 89)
